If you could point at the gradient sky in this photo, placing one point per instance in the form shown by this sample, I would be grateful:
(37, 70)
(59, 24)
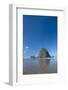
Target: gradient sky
(39, 32)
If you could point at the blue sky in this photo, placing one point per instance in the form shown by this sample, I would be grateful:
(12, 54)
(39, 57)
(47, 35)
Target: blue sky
(39, 32)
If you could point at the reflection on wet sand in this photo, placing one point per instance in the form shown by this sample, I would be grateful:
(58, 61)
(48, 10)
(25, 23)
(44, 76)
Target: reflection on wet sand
(39, 66)
(43, 64)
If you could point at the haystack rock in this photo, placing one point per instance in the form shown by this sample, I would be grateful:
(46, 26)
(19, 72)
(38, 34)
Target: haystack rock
(44, 53)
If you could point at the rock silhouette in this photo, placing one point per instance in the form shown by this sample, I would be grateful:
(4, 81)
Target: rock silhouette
(43, 53)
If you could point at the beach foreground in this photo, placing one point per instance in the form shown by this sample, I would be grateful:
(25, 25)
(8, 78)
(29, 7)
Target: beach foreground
(39, 66)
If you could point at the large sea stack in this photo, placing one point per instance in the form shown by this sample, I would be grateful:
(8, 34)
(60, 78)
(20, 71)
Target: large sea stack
(43, 53)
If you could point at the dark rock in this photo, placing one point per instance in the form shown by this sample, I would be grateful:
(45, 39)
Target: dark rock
(44, 53)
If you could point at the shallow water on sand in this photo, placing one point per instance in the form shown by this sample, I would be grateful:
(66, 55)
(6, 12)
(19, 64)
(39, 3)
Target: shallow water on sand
(39, 66)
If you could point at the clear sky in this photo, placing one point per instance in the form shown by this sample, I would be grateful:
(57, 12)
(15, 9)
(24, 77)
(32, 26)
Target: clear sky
(39, 32)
